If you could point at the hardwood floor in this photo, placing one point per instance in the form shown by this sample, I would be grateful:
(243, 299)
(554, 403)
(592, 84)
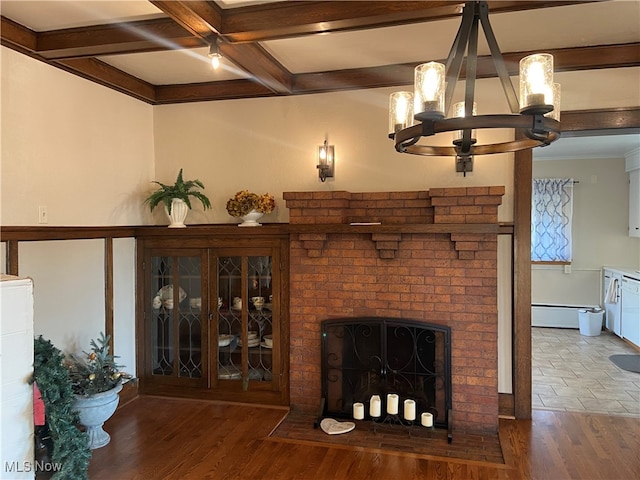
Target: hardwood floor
(155, 438)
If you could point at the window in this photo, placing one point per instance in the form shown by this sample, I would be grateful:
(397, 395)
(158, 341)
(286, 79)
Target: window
(551, 212)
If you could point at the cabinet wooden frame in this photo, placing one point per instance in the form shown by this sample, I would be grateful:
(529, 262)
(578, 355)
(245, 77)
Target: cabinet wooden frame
(209, 248)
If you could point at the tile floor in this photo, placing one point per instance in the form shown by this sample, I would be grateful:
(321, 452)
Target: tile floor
(573, 373)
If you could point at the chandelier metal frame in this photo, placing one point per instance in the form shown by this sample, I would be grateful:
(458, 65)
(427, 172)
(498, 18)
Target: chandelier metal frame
(536, 128)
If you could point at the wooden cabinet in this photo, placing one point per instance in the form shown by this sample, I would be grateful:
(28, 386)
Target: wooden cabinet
(212, 318)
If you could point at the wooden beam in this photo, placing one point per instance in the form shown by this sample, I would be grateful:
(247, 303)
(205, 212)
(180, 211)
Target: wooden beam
(203, 20)
(293, 19)
(108, 291)
(104, 74)
(119, 38)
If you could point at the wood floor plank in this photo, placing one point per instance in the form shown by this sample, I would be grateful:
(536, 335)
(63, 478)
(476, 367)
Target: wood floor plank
(155, 438)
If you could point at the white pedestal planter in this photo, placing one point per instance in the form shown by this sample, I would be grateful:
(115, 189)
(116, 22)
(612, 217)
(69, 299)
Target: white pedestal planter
(251, 219)
(179, 211)
(94, 410)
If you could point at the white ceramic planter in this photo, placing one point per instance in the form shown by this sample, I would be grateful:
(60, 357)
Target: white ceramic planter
(251, 219)
(94, 410)
(179, 211)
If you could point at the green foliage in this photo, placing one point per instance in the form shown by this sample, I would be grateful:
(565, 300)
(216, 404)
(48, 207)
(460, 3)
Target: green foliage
(70, 445)
(180, 189)
(96, 371)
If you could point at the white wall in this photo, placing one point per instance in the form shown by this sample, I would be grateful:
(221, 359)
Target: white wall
(85, 152)
(600, 230)
(82, 150)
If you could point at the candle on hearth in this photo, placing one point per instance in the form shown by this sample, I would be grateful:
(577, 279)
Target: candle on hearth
(409, 409)
(358, 411)
(427, 419)
(375, 406)
(392, 404)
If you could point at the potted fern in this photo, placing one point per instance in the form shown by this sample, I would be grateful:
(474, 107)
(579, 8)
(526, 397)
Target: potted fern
(175, 199)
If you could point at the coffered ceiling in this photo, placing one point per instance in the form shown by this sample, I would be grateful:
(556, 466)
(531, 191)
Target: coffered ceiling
(157, 51)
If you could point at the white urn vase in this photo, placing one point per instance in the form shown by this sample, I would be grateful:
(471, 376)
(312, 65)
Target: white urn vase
(94, 410)
(179, 211)
(251, 219)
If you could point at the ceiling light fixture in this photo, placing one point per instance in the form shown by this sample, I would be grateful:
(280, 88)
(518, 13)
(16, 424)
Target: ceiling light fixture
(422, 113)
(214, 53)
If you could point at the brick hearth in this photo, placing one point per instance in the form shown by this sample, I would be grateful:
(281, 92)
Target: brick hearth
(444, 275)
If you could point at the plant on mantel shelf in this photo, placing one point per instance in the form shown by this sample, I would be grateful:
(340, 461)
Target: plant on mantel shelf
(176, 198)
(250, 207)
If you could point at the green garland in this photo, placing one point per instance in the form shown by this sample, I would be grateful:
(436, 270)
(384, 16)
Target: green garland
(70, 445)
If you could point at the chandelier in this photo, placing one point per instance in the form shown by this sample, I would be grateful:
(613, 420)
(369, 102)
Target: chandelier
(535, 118)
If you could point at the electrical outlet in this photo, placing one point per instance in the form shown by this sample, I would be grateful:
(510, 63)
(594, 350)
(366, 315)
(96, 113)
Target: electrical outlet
(567, 269)
(43, 214)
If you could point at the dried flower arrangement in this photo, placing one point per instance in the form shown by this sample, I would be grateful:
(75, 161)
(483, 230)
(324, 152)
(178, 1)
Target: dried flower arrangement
(244, 202)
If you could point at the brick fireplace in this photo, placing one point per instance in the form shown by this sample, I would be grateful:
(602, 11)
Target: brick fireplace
(427, 256)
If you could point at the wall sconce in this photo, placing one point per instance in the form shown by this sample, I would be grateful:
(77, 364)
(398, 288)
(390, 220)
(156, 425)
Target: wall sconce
(214, 53)
(325, 161)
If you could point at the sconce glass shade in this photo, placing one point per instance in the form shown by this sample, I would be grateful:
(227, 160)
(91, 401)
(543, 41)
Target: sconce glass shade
(429, 85)
(325, 161)
(536, 83)
(400, 111)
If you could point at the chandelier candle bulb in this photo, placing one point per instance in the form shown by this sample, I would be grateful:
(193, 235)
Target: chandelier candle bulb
(429, 91)
(400, 111)
(536, 83)
(426, 419)
(358, 411)
(392, 404)
(409, 410)
(375, 406)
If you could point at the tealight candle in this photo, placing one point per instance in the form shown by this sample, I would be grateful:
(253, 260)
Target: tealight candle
(427, 419)
(358, 411)
(392, 404)
(375, 406)
(409, 409)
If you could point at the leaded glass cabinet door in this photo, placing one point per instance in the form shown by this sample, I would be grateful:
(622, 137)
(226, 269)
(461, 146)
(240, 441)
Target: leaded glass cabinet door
(247, 319)
(178, 317)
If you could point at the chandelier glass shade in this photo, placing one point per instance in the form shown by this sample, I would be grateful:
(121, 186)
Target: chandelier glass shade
(534, 118)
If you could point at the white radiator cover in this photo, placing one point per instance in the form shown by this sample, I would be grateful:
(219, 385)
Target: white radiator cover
(558, 316)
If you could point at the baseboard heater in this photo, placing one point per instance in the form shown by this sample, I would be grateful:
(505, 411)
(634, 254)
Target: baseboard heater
(558, 316)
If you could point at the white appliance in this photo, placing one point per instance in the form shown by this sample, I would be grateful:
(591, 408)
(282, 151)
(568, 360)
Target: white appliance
(612, 306)
(16, 369)
(630, 298)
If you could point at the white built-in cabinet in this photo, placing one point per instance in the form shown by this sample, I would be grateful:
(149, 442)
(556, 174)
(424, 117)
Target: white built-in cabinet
(632, 166)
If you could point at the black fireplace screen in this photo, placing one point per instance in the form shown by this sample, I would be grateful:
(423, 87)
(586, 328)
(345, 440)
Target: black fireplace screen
(362, 357)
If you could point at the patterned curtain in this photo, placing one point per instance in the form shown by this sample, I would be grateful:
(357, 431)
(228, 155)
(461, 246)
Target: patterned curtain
(551, 212)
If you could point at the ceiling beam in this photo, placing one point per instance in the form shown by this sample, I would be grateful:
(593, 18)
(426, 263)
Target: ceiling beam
(128, 37)
(270, 21)
(203, 19)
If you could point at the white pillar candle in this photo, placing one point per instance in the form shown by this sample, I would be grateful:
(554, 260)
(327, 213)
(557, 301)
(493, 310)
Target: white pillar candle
(427, 419)
(392, 404)
(375, 406)
(409, 409)
(358, 411)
